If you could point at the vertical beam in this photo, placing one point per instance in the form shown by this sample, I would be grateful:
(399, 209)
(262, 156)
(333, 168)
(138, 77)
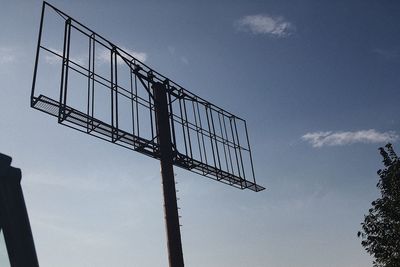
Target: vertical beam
(202, 133)
(228, 145)
(90, 91)
(235, 146)
(223, 140)
(137, 106)
(197, 131)
(171, 112)
(64, 71)
(251, 158)
(114, 95)
(132, 98)
(150, 76)
(183, 125)
(14, 217)
(175, 254)
(216, 141)
(37, 54)
(187, 128)
(240, 149)
(212, 134)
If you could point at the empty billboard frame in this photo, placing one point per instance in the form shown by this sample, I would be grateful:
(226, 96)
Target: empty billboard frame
(90, 84)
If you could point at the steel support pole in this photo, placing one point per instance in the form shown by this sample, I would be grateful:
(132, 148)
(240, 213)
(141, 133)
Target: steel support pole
(174, 242)
(14, 217)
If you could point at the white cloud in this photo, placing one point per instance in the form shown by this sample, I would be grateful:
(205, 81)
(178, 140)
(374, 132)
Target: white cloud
(104, 55)
(265, 24)
(320, 139)
(7, 55)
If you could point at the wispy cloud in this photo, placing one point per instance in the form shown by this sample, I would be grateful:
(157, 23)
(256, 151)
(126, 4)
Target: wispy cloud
(52, 58)
(173, 52)
(171, 49)
(387, 54)
(184, 60)
(7, 55)
(276, 26)
(320, 139)
(104, 55)
(56, 57)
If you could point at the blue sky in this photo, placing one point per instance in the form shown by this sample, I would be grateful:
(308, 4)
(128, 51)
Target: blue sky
(317, 82)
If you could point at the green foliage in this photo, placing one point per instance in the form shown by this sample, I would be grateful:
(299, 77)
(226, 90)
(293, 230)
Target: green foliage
(380, 232)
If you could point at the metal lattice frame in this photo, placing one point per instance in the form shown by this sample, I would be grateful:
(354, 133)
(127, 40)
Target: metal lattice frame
(206, 139)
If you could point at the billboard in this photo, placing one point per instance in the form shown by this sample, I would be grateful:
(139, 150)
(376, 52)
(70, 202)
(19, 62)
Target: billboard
(90, 84)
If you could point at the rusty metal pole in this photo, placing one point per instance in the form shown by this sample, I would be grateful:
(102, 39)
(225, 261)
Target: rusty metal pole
(14, 217)
(174, 242)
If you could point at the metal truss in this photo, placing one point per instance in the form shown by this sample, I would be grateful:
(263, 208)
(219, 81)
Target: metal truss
(206, 139)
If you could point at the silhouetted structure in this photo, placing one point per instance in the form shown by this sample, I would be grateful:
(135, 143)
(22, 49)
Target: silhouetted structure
(112, 95)
(14, 219)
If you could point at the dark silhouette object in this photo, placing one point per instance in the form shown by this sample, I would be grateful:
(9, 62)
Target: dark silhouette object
(14, 219)
(381, 227)
(146, 112)
(167, 175)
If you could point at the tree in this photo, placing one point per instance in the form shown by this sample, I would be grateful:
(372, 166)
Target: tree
(380, 232)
